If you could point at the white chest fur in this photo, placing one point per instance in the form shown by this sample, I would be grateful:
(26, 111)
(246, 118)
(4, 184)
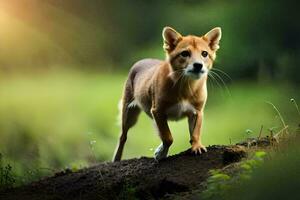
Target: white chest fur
(180, 110)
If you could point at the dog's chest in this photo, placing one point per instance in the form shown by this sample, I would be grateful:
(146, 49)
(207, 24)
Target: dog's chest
(180, 110)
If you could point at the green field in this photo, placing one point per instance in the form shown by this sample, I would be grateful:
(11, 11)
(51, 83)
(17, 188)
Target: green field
(69, 119)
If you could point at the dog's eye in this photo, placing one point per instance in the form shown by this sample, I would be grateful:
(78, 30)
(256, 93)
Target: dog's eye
(185, 54)
(204, 54)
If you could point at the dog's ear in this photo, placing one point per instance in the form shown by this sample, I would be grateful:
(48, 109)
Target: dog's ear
(213, 37)
(171, 38)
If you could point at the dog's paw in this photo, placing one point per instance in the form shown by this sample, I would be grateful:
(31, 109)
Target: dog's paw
(198, 149)
(161, 152)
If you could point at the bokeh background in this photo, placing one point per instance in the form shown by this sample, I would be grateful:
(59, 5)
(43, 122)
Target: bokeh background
(63, 64)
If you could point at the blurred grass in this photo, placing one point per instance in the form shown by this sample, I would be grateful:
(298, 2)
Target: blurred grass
(277, 178)
(69, 119)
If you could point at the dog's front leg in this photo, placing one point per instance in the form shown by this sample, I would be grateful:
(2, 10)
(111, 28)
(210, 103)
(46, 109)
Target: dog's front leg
(195, 123)
(164, 133)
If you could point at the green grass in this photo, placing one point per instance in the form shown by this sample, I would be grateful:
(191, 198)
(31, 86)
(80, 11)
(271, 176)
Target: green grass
(69, 119)
(277, 179)
(273, 174)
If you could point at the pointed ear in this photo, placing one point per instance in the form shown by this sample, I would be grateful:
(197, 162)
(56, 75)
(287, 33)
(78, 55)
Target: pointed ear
(171, 38)
(214, 37)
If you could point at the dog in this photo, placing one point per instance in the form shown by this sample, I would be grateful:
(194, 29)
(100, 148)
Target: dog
(171, 89)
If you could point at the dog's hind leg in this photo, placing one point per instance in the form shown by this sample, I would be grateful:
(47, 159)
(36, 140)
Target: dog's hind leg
(129, 115)
(129, 118)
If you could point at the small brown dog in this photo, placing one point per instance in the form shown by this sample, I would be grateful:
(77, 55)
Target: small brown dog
(171, 89)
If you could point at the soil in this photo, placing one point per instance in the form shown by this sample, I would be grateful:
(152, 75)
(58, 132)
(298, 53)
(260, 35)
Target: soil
(179, 176)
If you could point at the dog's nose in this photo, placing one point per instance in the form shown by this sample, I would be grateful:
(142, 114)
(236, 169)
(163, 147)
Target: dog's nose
(197, 67)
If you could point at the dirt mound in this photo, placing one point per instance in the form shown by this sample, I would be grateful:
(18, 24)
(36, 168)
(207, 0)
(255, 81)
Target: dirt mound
(143, 178)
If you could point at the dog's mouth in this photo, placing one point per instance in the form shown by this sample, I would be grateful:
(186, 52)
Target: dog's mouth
(195, 74)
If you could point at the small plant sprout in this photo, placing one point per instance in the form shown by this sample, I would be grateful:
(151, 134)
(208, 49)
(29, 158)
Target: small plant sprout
(260, 132)
(249, 132)
(280, 117)
(278, 113)
(296, 105)
(274, 137)
(92, 146)
(272, 129)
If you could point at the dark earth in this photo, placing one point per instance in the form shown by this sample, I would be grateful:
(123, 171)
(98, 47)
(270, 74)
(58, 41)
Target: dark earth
(179, 176)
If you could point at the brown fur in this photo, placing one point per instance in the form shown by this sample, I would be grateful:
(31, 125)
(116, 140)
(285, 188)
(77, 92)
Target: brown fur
(161, 90)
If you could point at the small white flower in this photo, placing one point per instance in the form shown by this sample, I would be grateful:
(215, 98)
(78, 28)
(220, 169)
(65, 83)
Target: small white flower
(249, 131)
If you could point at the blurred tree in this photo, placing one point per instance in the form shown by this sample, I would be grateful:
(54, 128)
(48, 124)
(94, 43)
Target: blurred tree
(260, 38)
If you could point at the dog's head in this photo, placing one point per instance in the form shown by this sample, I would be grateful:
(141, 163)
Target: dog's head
(194, 55)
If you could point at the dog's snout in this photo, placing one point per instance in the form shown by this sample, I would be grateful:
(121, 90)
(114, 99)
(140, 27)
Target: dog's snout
(197, 67)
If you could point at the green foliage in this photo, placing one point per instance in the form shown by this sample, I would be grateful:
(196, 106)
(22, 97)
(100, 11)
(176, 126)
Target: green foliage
(219, 184)
(7, 178)
(278, 178)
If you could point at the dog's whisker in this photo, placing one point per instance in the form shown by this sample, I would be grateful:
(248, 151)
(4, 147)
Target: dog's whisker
(215, 80)
(223, 82)
(221, 71)
(210, 81)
